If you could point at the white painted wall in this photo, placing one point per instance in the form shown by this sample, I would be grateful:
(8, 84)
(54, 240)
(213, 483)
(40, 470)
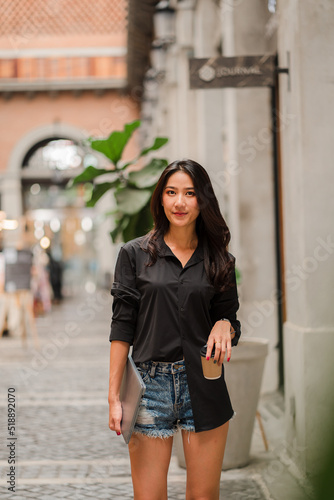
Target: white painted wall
(209, 103)
(306, 32)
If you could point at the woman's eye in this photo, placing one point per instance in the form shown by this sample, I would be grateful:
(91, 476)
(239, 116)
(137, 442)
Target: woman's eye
(170, 191)
(191, 193)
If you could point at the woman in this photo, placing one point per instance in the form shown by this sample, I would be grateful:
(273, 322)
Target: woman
(175, 291)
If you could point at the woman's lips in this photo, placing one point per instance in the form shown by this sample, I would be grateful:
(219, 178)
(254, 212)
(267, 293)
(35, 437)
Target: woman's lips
(179, 214)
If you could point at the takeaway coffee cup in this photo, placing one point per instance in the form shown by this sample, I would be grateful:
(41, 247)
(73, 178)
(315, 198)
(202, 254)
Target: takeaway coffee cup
(211, 370)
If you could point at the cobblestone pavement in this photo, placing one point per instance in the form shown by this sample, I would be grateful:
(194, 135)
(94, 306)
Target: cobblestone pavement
(64, 448)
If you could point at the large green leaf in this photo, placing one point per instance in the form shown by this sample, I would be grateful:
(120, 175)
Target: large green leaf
(98, 191)
(158, 143)
(121, 224)
(91, 173)
(114, 233)
(131, 201)
(113, 146)
(139, 224)
(149, 175)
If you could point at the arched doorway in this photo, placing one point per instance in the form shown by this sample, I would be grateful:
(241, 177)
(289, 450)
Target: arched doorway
(53, 217)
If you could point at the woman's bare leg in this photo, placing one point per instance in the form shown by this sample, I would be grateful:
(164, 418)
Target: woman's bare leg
(204, 453)
(150, 458)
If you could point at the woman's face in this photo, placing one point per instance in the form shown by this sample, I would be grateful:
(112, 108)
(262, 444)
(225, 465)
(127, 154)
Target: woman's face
(179, 200)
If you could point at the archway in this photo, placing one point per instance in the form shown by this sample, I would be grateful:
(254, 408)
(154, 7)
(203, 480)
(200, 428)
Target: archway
(53, 219)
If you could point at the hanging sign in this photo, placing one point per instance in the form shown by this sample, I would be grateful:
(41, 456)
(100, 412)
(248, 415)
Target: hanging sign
(241, 71)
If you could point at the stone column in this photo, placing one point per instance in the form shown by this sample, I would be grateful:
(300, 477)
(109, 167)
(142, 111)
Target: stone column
(11, 204)
(306, 39)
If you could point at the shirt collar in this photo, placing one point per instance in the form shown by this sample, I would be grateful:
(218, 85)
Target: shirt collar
(196, 257)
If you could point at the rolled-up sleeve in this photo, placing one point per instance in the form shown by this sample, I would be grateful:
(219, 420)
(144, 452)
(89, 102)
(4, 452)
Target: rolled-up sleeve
(126, 299)
(225, 305)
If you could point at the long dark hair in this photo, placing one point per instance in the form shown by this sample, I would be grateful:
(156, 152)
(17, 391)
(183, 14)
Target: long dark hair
(211, 228)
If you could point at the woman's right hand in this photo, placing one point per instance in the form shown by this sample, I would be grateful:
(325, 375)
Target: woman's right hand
(115, 416)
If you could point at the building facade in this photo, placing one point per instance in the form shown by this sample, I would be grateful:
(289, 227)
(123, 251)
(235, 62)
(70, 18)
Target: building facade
(62, 78)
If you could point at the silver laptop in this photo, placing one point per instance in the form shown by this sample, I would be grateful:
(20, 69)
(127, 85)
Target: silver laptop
(131, 393)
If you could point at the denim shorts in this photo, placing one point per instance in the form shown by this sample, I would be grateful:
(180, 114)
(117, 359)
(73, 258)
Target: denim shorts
(166, 404)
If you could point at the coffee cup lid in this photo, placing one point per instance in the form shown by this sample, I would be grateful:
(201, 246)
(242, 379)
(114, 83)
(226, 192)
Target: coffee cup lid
(203, 351)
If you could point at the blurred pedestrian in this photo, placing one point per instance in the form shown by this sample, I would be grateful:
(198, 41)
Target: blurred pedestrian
(55, 269)
(175, 291)
(40, 284)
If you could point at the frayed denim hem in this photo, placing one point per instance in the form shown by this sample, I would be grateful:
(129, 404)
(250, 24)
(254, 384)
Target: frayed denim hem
(187, 428)
(164, 433)
(156, 433)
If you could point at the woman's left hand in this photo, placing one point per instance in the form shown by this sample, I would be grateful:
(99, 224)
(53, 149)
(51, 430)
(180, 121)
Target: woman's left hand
(221, 338)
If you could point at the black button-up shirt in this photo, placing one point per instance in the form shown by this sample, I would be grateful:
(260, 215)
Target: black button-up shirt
(167, 312)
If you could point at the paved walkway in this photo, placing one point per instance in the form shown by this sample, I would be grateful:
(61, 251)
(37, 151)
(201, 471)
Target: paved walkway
(64, 448)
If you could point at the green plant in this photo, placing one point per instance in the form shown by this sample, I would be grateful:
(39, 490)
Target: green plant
(132, 189)
(238, 276)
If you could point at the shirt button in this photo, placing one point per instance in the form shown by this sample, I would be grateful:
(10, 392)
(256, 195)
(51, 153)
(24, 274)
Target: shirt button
(182, 309)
